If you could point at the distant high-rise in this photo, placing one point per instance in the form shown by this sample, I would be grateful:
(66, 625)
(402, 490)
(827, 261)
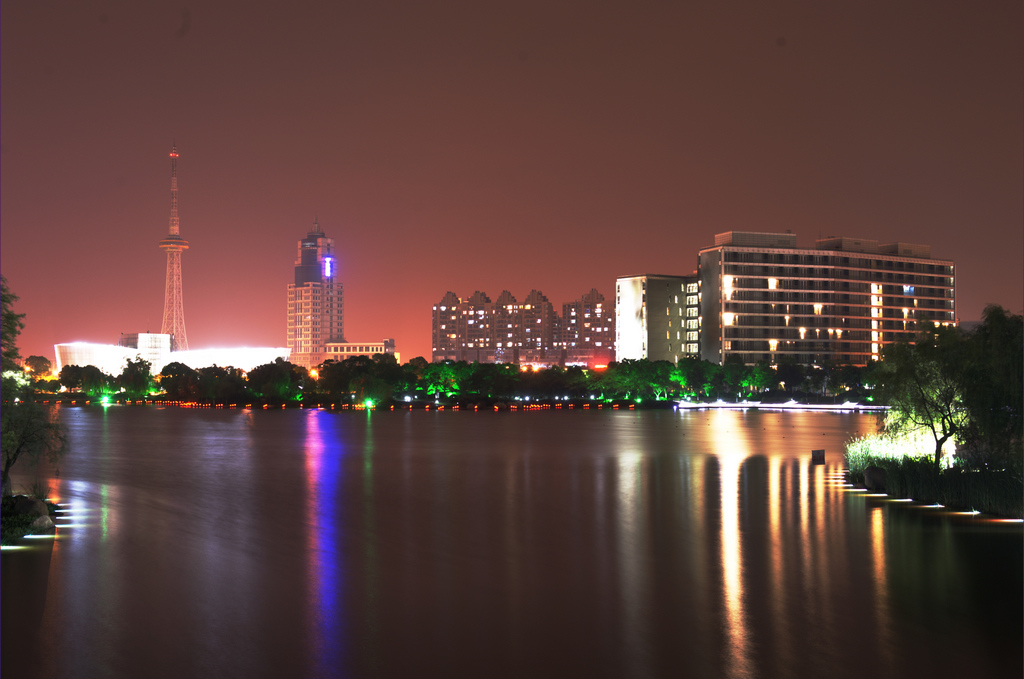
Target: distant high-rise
(316, 305)
(174, 244)
(588, 330)
(539, 325)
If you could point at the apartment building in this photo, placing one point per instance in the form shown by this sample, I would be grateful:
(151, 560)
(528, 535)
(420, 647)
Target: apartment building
(530, 332)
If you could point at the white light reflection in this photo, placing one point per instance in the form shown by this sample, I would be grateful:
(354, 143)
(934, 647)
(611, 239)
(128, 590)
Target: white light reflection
(780, 611)
(731, 451)
(696, 494)
(824, 567)
(630, 544)
(881, 583)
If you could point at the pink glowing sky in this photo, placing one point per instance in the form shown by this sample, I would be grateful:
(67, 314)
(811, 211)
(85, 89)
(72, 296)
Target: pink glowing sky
(459, 146)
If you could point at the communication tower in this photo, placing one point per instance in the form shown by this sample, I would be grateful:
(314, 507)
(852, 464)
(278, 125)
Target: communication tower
(174, 244)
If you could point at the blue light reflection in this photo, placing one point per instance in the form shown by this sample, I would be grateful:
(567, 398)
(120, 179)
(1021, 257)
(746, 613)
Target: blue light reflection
(323, 452)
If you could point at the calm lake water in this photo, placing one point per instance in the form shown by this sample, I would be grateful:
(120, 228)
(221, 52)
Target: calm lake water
(233, 543)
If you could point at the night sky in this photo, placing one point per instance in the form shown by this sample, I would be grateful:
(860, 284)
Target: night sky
(459, 146)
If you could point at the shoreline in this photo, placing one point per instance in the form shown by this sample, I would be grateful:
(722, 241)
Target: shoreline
(848, 406)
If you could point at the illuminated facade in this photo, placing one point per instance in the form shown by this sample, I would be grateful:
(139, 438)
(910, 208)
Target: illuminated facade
(316, 306)
(155, 348)
(765, 299)
(151, 346)
(657, 317)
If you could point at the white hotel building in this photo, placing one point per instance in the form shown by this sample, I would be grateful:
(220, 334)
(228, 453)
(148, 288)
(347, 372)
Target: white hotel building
(763, 298)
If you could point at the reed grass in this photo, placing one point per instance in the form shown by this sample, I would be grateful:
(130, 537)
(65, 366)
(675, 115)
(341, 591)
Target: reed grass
(991, 491)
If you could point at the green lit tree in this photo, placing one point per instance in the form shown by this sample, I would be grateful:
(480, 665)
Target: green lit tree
(95, 382)
(688, 373)
(640, 378)
(277, 382)
(136, 379)
(446, 377)
(761, 377)
(923, 384)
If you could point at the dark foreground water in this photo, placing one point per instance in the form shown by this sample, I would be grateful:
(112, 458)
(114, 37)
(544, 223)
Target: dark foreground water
(554, 544)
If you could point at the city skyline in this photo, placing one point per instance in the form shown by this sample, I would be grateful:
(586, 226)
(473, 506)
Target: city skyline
(473, 148)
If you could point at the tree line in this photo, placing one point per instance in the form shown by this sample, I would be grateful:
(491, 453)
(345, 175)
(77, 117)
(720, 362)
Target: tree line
(380, 379)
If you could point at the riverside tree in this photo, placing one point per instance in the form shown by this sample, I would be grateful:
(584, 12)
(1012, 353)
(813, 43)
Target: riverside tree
(279, 381)
(11, 328)
(136, 380)
(994, 390)
(923, 384)
(960, 386)
(38, 366)
(27, 430)
(179, 381)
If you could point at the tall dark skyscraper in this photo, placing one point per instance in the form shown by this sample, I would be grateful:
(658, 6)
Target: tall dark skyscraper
(316, 305)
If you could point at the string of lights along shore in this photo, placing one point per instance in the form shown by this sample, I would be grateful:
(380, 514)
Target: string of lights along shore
(174, 245)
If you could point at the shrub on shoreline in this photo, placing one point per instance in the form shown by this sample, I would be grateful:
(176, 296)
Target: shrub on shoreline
(992, 491)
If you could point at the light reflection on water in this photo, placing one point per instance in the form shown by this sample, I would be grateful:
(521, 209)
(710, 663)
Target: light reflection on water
(589, 543)
(323, 475)
(731, 450)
